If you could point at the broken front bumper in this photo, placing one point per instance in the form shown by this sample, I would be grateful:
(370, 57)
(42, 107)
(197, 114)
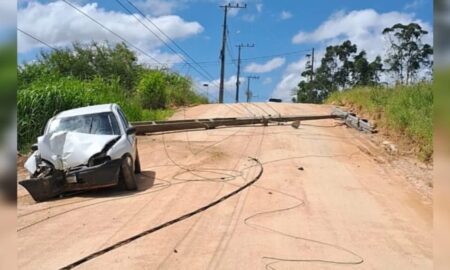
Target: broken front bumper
(44, 188)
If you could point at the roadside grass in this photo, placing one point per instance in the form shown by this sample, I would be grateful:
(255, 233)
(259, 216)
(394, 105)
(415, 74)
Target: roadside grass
(402, 112)
(157, 114)
(43, 99)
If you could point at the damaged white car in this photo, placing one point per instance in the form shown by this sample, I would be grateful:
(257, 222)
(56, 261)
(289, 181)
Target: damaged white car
(83, 148)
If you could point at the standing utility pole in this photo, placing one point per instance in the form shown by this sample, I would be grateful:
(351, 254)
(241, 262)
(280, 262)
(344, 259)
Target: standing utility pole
(312, 65)
(249, 93)
(222, 51)
(239, 67)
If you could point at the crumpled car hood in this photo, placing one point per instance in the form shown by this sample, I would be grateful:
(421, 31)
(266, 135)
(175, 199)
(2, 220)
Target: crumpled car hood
(69, 149)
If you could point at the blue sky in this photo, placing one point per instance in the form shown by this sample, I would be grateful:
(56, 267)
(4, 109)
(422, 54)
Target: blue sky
(275, 27)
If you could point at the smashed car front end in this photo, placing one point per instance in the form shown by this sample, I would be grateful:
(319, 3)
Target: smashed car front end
(70, 161)
(57, 182)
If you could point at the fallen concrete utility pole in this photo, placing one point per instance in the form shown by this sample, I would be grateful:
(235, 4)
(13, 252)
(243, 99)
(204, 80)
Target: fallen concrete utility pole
(171, 125)
(352, 120)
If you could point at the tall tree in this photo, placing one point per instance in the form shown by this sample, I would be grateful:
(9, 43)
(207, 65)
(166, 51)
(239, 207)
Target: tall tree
(308, 90)
(344, 53)
(341, 67)
(365, 72)
(407, 54)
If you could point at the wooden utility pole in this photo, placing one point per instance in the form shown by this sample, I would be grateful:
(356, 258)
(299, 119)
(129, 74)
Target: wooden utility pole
(240, 46)
(222, 51)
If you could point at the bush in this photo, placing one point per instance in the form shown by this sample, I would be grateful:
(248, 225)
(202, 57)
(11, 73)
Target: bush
(152, 90)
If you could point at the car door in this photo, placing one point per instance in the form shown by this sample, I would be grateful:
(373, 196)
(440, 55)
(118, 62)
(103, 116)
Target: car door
(131, 138)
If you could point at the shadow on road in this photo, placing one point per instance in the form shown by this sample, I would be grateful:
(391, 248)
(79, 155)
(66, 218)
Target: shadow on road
(145, 180)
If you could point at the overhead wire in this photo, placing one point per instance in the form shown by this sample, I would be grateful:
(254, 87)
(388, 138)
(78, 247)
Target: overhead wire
(215, 62)
(111, 31)
(35, 38)
(203, 72)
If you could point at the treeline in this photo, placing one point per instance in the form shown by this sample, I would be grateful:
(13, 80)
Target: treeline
(94, 74)
(344, 67)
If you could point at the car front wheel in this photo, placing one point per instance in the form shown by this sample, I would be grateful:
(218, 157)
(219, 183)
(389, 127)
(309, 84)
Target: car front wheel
(127, 179)
(137, 163)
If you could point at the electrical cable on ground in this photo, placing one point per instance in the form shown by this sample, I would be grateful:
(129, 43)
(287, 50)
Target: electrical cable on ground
(247, 221)
(164, 225)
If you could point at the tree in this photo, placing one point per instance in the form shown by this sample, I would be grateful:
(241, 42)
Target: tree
(407, 55)
(307, 91)
(364, 72)
(336, 67)
(341, 67)
(344, 53)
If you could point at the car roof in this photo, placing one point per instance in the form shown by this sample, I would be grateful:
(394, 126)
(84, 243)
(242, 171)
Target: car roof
(87, 110)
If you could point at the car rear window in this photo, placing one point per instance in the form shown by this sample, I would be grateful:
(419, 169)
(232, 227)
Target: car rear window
(99, 123)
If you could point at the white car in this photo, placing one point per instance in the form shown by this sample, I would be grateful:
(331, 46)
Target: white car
(83, 148)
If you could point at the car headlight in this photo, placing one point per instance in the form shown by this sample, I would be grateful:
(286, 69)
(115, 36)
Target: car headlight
(98, 159)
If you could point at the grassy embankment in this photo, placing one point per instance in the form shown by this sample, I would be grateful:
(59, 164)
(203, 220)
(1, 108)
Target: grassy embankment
(404, 113)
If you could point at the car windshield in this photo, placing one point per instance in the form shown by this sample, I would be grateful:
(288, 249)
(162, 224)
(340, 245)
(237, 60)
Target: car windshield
(99, 123)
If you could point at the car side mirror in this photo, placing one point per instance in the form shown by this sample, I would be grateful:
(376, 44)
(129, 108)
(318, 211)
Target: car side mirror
(131, 130)
(34, 147)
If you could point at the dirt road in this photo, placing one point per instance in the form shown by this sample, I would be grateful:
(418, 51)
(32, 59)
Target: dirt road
(326, 199)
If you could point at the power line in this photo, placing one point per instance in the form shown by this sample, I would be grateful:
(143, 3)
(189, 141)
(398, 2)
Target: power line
(124, 40)
(206, 73)
(230, 51)
(275, 55)
(35, 38)
(215, 62)
(112, 32)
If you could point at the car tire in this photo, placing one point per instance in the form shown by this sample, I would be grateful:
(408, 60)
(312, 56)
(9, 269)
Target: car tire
(127, 179)
(137, 163)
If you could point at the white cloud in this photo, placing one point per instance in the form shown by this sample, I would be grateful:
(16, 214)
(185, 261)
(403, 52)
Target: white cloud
(267, 81)
(266, 67)
(158, 7)
(7, 14)
(259, 7)
(414, 5)
(290, 80)
(362, 27)
(229, 84)
(285, 15)
(249, 17)
(58, 24)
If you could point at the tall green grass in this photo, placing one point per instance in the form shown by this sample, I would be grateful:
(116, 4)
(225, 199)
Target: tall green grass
(43, 99)
(405, 112)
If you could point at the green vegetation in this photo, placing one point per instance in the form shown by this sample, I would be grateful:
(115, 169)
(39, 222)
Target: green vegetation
(7, 88)
(343, 67)
(405, 112)
(345, 77)
(95, 74)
